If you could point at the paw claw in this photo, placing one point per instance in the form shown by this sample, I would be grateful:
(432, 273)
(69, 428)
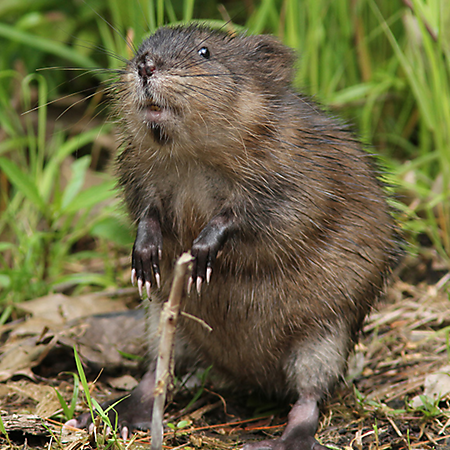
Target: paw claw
(133, 277)
(124, 433)
(140, 283)
(147, 288)
(208, 275)
(189, 285)
(72, 423)
(158, 280)
(199, 285)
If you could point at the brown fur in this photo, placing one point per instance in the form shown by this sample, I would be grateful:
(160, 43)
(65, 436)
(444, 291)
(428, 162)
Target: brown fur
(315, 239)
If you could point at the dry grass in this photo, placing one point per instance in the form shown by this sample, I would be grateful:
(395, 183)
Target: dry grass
(405, 343)
(404, 353)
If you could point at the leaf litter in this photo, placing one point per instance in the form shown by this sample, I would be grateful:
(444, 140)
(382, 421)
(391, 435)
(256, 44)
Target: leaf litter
(396, 394)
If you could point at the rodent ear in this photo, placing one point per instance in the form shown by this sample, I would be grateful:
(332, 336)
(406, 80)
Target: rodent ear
(271, 58)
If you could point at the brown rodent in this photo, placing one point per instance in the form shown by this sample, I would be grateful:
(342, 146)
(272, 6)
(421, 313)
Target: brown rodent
(278, 203)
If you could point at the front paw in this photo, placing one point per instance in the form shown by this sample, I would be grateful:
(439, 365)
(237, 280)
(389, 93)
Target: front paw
(205, 254)
(147, 252)
(207, 245)
(145, 265)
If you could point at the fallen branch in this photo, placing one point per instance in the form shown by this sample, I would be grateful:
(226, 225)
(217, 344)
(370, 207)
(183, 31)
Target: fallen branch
(164, 365)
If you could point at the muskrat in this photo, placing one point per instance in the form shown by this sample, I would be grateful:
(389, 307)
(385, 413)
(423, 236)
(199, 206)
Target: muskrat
(277, 201)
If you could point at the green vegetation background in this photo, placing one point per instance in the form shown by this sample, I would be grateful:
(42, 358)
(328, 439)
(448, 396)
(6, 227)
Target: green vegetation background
(383, 65)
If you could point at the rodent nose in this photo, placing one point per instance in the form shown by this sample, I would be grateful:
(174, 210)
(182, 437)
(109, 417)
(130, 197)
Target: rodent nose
(146, 68)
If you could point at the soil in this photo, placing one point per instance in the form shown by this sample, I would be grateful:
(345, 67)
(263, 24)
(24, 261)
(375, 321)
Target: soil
(396, 395)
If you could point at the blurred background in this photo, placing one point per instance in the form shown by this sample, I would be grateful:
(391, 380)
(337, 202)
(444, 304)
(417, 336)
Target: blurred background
(65, 240)
(382, 65)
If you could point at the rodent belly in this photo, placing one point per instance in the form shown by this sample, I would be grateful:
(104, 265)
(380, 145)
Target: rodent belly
(242, 344)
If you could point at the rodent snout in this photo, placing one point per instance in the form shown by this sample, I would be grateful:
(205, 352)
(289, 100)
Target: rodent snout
(146, 67)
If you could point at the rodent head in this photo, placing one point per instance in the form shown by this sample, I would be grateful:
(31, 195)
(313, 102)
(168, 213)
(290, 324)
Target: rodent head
(191, 87)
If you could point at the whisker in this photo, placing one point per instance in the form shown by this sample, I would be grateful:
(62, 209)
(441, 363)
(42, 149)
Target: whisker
(80, 101)
(65, 97)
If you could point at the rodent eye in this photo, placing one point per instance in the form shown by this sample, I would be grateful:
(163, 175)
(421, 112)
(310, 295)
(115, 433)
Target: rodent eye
(204, 51)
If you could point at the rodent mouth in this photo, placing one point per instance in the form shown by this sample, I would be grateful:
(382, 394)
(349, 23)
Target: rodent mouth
(154, 114)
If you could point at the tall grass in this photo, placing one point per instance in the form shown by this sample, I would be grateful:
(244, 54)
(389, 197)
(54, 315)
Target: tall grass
(384, 65)
(425, 62)
(44, 215)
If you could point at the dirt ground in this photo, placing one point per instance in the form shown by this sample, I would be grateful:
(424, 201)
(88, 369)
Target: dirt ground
(396, 394)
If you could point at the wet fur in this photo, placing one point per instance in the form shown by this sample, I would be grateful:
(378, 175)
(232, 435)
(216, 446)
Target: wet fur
(315, 241)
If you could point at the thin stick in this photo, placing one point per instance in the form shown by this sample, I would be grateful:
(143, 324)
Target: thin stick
(164, 365)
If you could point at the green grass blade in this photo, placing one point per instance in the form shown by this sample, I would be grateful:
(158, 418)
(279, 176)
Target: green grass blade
(84, 279)
(47, 46)
(410, 71)
(23, 183)
(90, 197)
(76, 390)
(188, 10)
(83, 381)
(70, 146)
(63, 404)
(79, 169)
(3, 431)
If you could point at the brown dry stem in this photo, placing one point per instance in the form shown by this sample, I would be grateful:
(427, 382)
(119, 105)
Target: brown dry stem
(165, 363)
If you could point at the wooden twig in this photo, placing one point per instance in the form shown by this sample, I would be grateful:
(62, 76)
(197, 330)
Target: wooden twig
(168, 321)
